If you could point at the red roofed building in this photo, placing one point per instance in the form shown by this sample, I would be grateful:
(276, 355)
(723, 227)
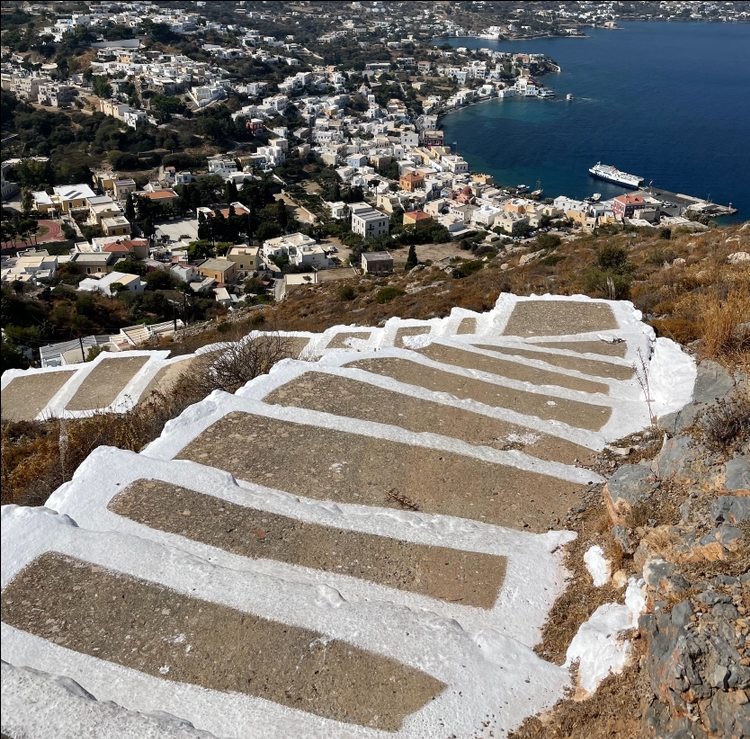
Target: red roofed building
(624, 206)
(165, 195)
(417, 218)
(410, 181)
(124, 247)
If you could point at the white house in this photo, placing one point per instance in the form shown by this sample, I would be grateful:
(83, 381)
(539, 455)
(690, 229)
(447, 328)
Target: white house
(104, 285)
(369, 222)
(282, 245)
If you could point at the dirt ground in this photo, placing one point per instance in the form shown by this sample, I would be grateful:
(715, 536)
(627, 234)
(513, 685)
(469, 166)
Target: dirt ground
(585, 366)
(345, 397)
(430, 252)
(341, 273)
(510, 369)
(573, 412)
(556, 318)
(105, 382)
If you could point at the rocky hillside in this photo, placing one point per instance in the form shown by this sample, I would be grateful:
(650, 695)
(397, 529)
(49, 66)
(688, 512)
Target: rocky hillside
(676, 512)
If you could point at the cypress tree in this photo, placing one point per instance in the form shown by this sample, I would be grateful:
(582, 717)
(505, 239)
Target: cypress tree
(411, 258)
(130, 208)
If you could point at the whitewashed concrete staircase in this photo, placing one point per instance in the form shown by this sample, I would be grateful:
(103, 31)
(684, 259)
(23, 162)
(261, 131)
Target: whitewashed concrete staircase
(354, 545)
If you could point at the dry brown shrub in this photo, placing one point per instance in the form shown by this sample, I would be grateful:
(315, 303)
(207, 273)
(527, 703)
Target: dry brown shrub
(681, 330)
(39, 456)
(724, 322)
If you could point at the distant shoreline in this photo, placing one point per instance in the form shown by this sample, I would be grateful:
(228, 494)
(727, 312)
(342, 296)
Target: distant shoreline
(514, 39)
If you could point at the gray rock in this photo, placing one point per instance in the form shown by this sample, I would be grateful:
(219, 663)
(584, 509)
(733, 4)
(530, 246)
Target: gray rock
(661, 576)
(711, 598)
(739, 677)
(712, 382)
(738, 477)
(621, 534)
(725, 718)
(728, 535)
(675, 456)
(726, 580)
(725, 535)
(676, 422)
(730, 509)
(685, 729)
(718, 677)
(726, 610)
(681, 613)
(631, 483)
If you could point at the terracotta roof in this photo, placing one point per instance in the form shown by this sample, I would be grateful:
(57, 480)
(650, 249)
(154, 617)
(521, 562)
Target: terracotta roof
(158, 195)
(417, 215)
(125, 245)
(629, 199)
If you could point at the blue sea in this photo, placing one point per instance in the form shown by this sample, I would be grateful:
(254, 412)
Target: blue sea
(669, 102)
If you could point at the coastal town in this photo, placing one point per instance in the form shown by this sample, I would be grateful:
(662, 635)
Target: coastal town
(321, 421)
(239, 162)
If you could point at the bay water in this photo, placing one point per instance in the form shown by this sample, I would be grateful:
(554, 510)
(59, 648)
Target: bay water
(669, 102)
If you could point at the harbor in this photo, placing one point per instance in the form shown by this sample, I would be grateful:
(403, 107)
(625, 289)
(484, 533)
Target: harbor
(690, 203)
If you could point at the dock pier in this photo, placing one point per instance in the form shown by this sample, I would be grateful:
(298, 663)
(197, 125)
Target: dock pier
(688, 202)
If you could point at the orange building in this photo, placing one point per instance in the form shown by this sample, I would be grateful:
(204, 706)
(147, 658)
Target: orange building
(417, 218)
(410, 181)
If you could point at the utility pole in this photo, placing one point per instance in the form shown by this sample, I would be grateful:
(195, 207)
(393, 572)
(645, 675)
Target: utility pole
(83, 356)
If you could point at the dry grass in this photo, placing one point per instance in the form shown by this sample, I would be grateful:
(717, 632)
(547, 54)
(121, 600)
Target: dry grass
(581, 597)
(613, 712)
(39, 456)
(725, 321)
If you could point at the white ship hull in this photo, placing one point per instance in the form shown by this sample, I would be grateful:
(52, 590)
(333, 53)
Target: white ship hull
(610, 174)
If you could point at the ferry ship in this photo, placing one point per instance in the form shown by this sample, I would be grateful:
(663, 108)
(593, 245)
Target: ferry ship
(612, 174)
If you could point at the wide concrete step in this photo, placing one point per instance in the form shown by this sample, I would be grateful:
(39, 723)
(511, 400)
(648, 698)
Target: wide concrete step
(357, 394)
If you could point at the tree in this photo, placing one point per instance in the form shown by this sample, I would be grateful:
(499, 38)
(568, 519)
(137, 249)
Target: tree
(101, 86)
(147, 226)
(613, 258)
(160, 279)
(27, 201)
(231, 194)
(130, 208)
(244, 360)
(282, 214)
(411, 259)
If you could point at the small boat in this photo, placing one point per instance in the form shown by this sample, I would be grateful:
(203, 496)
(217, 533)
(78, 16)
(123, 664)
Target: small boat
(536, 193)
(522, 188)
(569, 96)
(596, 197)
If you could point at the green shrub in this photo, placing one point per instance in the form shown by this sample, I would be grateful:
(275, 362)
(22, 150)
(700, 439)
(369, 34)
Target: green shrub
(606, 284)
(551, 260)
(387, 294)
(612, 258)
(346, 292)
(547, 241)
(659, 255)
(468, 268)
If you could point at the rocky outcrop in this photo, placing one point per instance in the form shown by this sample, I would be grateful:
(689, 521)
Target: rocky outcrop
(685, 521)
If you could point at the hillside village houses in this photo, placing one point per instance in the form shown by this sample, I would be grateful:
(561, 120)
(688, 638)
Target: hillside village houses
(428, 180)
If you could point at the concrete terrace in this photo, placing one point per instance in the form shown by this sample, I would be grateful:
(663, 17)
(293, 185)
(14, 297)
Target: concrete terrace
(360, 544)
